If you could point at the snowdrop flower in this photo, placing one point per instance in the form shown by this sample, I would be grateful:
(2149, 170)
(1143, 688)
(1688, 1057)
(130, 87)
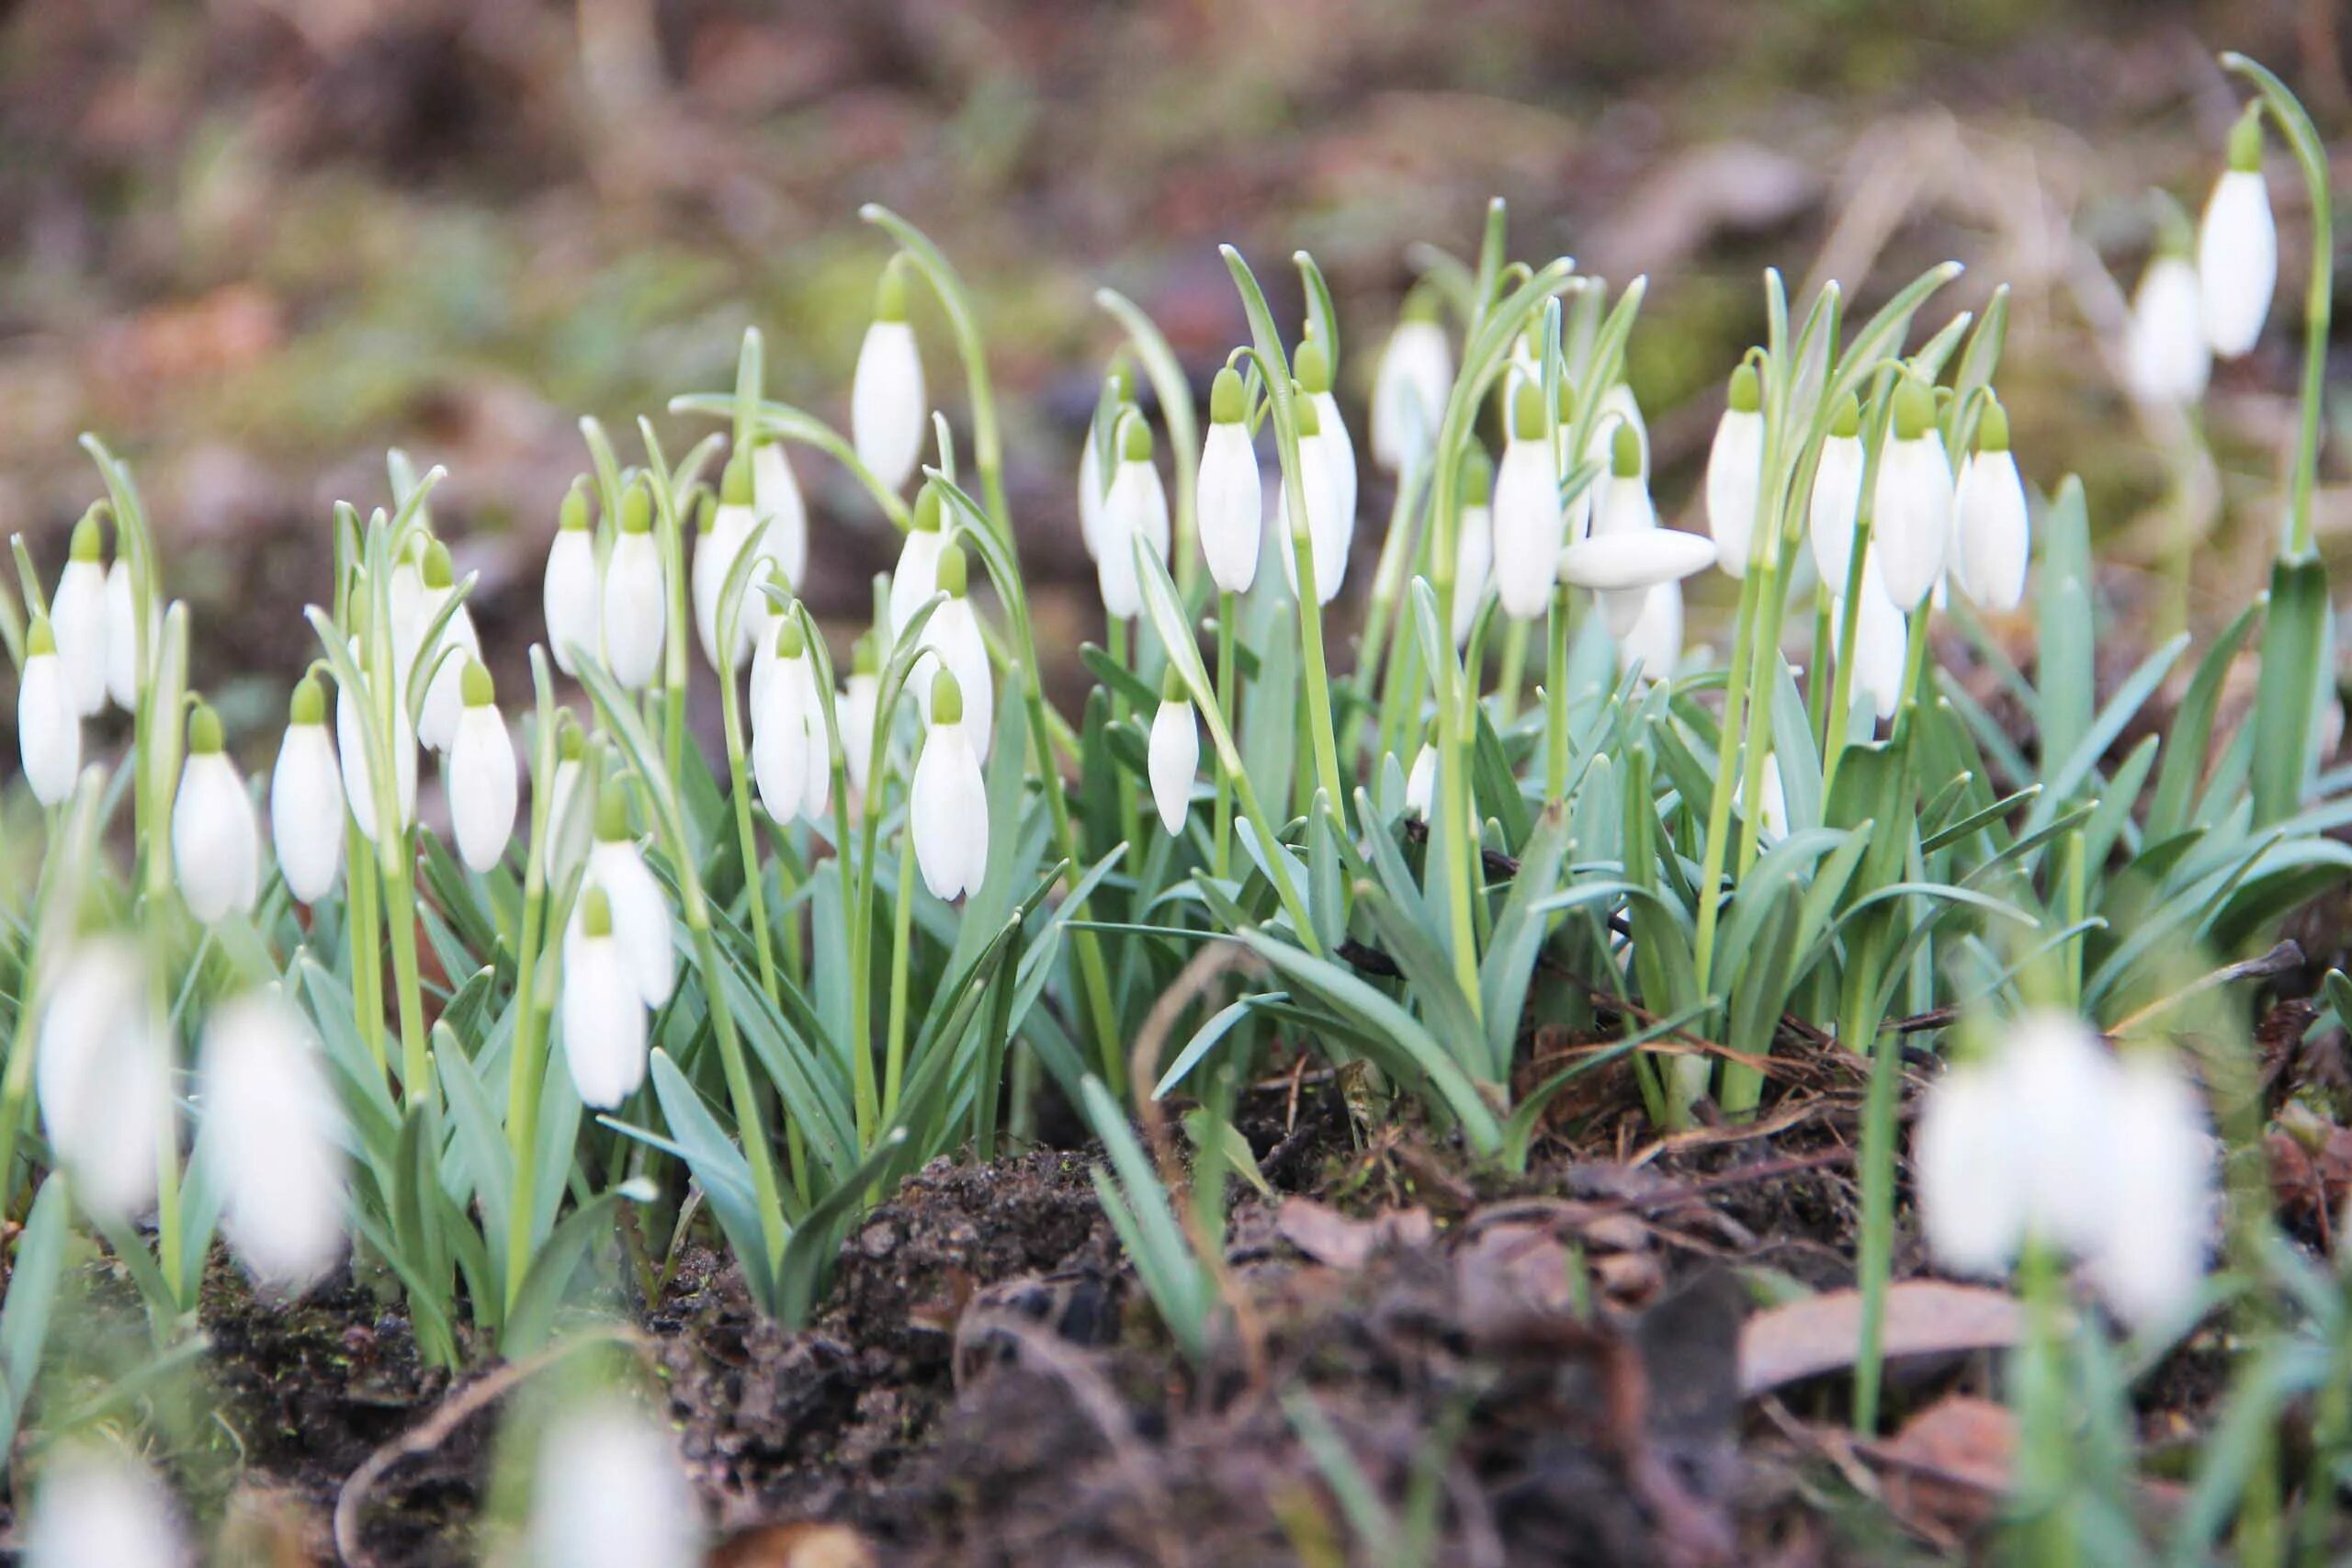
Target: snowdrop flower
(351, 746)
(101, 1509)
(1971, 1197)
(1630, 558)
(1230, 494)
(405, 595)
(1618, 408)
(1528, 522)
(445, 697)
(720, 545)
(568, 817)
(854, 711)
(791, 754)
(48, 727)
(1101, 427)
(77, 614)
(763, 650)
(1329, 532)
(1911, 507)
(1420, 783)
(571, 597)
(609, 1493)
(887, 409)
(1174, 755)
(123, 633)
(1878, 645)
(1563, 416)
(478, 775)
(2061, 1084)
(640, 910)
(2237, 245)
(101, 1071)
(634, 611)
(306, 799)
(916, 578)
(948, 809)
(216, 844)
(1835, 509)
(1473, 543)
(1654, 643)
(277, 1131)
(2166, 357)
(1991, 536)
(1410, 388)
(2149, 1260)
(954, 634)
(1314, 373)
(776, 498)
(603, 1004)
(1135, 508)
(1736, 471)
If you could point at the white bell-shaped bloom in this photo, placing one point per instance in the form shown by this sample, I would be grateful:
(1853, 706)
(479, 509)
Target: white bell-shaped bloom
(1474, 545)
(101, 1071)
(274, 1126)
(1654, 643)
(1410, 388)
(1911, 506)
(608, 1493)
(1965, 1170)
(351, 748)
(917, 577)
(216, 843)
(720, 545)
(405, 594)
(1835, 505)
(1230, 496)
(2166, 357)
(954, 634)
(1092, 481)
(77, 613)
(2148, 1262)
(1991, 537)
(1878, 645)
(306, 803)
(49, 725)
(1329, 534)
(1624, 543)
(887, 406)
(2061, 1084)
(459, 645)
(1618, 408)
(1174, 755)
(1735, 472)
(604, 1003)
(570, 808)
(479, 776)
(101, 1508)
(791, 752)
(1135, 508)
(1529, 523)
(571, 597)
(2237, 246)
(122, 636)
(948, 810)
(775, 497)
(1420, 779)
(1314, 371)
(635, 603)
(641, 923)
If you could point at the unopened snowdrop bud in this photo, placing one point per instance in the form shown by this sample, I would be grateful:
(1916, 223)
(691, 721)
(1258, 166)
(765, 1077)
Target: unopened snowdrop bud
(2166, 357)
(49, 725)
(77, 613)
(101, 1073)
(949, 811)
(609, 1493)
(1911, 507)
(886, 411)
(1653, 646)
(1993, 534)
(275, 1125)
(1174, 755)
(640, 910)
(306, 798)
(216, 844)
(1230, 496)
(1094, 478)
(102, 1509)
(351, 746)
(2150, 1257)
(771, 619)
(635, 609)
(1878, 645)
(1473, 543)
(1619, 409)
(854, 712)
(1136, 508)
(1836, 502)
(917, 577)
(1328, 536)
(1314, 371)
(406, 596)
(1528, 522)
(791, 756)
(2237, 245)
(568, 810)
(716, 553)
(571, 597)
(1421, 781)
(1624, 524)
(445, 698)
(954, 634)
(1965, 1165)
(1409, 391)
(1736, 471)
(776, 498)
(478, 775)
(603, 1002)
(122, 633)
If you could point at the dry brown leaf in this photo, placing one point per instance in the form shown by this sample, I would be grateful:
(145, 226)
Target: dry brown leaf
(1821, 1334)
(1331, 1238)
(1950, 1464)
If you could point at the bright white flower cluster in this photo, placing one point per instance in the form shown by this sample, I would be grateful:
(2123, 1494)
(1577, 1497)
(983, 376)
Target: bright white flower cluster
(2186, 310)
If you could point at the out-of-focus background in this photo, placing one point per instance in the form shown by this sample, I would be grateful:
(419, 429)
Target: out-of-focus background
(255, 242)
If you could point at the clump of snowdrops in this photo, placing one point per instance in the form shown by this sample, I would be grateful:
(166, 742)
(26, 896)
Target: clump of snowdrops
(909, 898)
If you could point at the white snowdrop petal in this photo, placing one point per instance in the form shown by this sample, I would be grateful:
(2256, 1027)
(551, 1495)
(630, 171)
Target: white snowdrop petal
(572, 598)
(1636, 560)
(1338, 450)
(1911, 516)
(77, 614)
(100, 1072)
(2152, 1257)
(445, 698)
(1965, 1165)
(609, 1493)
(1409, 391)
(122, 637)
(277, 1130)
(48, 730)
(2237, 262)
(1879, 645)
(604, 1017)
(1136, 508)
(641, 923)
(1735, 470)
(854, 714)
(483, 787)
(216, 843)
(1230, 499)
(306, 809)
(954, 634)
(1529, 529)
(775, 497)
(1835, 505)
(1654, 641)
(2060, 1084)
(1173, 758)
(102, 1509)
(2166, 357)
(716, 553)
(948, 813)
(634, 610)
(887, 406)
(1474, 569)
(351, 749)
(917, 577)
(1420, 785)
(1992, 540)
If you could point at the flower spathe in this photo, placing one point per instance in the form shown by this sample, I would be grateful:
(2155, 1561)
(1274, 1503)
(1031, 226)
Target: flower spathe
(2237, 246)
(216, 844)
(306, 802)
(634, 611)
(1736, 471)
(1992, 535)
(1230, 496)
(77, 613)
(478, 775)
(608, 1493)
(48, 727)
(1911, 506)
(1136, 508)
(1529, 523)
(278, 1132)
(948, 809)
(2166, 357)
(571, 597)
(604, 1003)
(886, 408)
(1410, 387)
(1173, 756)
(100, 1074)
(101, 1508)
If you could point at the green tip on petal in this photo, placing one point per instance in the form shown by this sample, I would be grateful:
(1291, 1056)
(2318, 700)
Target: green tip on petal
(1915, 410)
(1226, 398)
(705, 512)
(479, 690)
(2246, 141)
(40, 639)
(574, 517)
(612, 814)
(1527, 422)
(1122, 383)
(440, 571)
(1747, 394)
(1477, 485)
(571, 741)
(1421, 304)
(1433, 733)
(927, 505)
(954, 571)
(1563, 406)
(791, 642)
(1303, 409)
(735, 488)
(636, 510)
(1992, 427)
(946, 699)
(890, 292)
(865, 655)
(1625, 452)
(1848, 421)
(88, 543)
(309, 704)
(1171, 686)
(779, 578)
(1313, 367)
(203, 730)
(1135, 440)
(595, 912)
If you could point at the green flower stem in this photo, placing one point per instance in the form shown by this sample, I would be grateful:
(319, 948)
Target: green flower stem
(747, 836)
(740, 1090)
(1817, 690)
(1555, 697)
(1514, 672)
(168, 1228)
(362, 918)
(400, 912)
(1228, 700)
(1400, 550)
(1710, 874)
(1859, 1024)
(987, 445)
(1175, 395)
(1116, 636)
(901, 956)
(525, 1068)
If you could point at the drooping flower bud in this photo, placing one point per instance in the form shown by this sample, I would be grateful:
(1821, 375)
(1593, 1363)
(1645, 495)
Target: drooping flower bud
(1174, 754)
(1653, 646)
(603, 1004)
(1529, 523)
(2166, 357)
(1736, 471)
(569, 810)
(917, 577)
(1136, 508)
(1329, 533)
(776, 498)
(791, 753)
(1416, 376)
(641, 923)
(1314, 372)
(886, 408)
(1911, 507)
(1230, 496)
(49, 725)
(216, 843)
(306, 801)
(2150, 1259)
(351, 748)
(716, 552)
(445, 699)
(635, 603)
(1097, 456)
(77, 614)
(274, 1123)
(953, 634)
(1421, 781)
(948, 807)
(1625, 530)
(123, 677)
(1473, 542)
(854, 711)
(1835, 509)
(572, 598)
(1879, 644)
(101, 1072)
(2237, 245)
(1993, 536)
(478, 775)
